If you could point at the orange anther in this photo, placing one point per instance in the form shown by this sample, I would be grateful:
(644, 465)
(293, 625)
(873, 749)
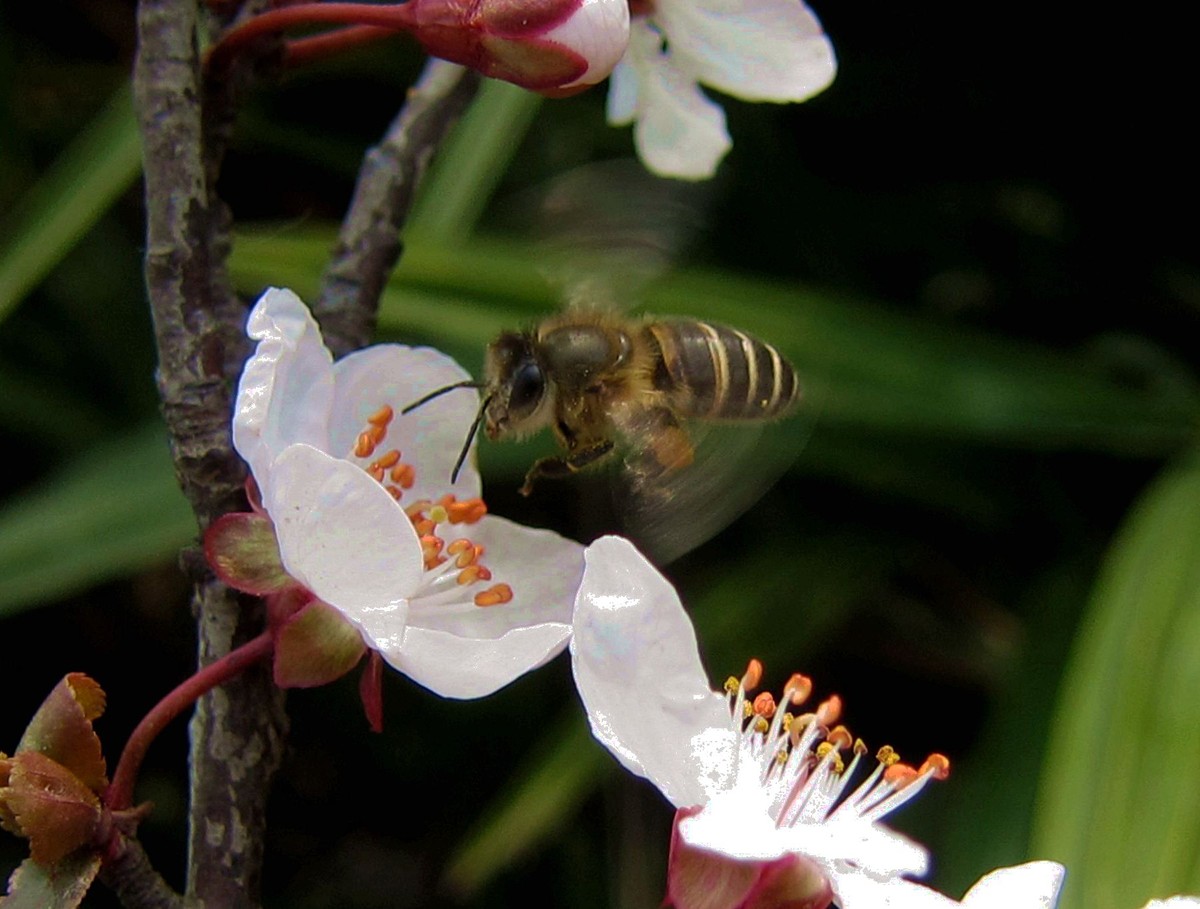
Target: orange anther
(753, 675)
(394, 491)
(840, 737)
(433, 561)
(382, 416)
(431, 541)
(469, 575)
(416, 508)
(460, 545)
(364, 446)
(830, 710)
(388, 459)
(405, 475)
(467, 511)
(424, 527)
(479, 551)
(494, 595)
(938, 765)
(798, 688)
(376, 473)
(900, 775)
(764, 705)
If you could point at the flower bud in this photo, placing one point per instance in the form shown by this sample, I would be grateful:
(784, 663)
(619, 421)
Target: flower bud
(555, 47)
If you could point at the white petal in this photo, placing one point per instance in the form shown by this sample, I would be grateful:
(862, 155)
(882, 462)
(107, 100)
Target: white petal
(757, 50)
(1174, 902)
(459, 667)
(622, 102)
(736, 823)
(856, 890)
(599, 32)
(286, 390)
(871, 848)
(344, 538)
(543, 569)
(638, 671)
(431, 437)
(679, 132)
(1034, 885)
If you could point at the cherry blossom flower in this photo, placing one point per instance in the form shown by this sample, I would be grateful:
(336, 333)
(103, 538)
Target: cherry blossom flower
(765, 816)
(371, 532)
(756, 50)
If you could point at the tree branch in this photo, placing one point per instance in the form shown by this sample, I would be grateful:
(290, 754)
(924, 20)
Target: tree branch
(237, 732)
(369, 242)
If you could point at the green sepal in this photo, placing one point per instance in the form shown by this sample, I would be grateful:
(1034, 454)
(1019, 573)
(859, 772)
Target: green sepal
(242, 550)
(316, 646)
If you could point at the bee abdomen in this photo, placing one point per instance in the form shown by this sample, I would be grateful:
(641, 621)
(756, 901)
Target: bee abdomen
(719, 373)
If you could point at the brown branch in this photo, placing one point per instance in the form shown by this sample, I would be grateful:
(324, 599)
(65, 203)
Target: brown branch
(130, 876)
(369, 243)
(237, 732)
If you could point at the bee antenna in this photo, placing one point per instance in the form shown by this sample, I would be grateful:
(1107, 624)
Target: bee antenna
(462, 455)
(469, 383)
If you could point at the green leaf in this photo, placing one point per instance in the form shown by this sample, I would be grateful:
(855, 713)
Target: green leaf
(1119, 800)
(87, 178)
(472, 161)
(114, 510)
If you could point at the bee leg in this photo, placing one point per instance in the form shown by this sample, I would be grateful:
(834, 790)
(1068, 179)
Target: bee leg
(565, 466)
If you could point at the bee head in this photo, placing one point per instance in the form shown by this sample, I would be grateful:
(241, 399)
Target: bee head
(516, 383)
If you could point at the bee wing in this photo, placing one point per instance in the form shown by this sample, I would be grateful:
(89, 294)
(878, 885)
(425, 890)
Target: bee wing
(608, 229)
(670, 514)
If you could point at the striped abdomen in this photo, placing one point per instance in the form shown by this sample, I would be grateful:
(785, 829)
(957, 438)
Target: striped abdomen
(714, 372)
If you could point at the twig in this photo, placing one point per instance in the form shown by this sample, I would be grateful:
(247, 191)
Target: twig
(369, 243)
(236, 737)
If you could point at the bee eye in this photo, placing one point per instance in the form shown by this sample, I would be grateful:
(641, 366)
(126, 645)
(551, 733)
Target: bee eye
(527, 387)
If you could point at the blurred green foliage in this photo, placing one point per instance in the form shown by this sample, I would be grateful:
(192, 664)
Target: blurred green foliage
(987, 544)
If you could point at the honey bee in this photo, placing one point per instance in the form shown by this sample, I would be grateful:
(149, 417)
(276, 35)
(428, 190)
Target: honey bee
(597, 378)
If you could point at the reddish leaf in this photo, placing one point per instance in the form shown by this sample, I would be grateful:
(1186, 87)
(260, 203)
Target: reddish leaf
(697, 879)
(370, 689)
(62, 729)
(59, 886)
(791, 882)
(242, 550)
(52, 807)
(316, 646)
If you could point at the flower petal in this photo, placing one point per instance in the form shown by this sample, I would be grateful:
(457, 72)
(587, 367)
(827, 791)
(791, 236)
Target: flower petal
(462, 667)
(462, 650)
(868, 846)
(621, 106)
(679, 132)
(1034, 884)
(543, 569)
(430, 437)
(736, 823)
(286, 389)
(856, 890)
(344, 538)
(756, 50)
(638, 671)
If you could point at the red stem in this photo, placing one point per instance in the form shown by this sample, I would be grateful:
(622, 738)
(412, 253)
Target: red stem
(119, 795)
(392, 16)
(302, 51)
